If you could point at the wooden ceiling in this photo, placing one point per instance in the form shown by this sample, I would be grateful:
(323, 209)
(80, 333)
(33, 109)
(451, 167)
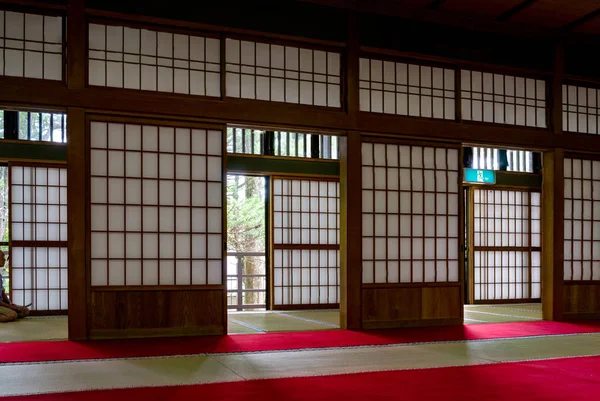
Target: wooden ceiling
(531, 17)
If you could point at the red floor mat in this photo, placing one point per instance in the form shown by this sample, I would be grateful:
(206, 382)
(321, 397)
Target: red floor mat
(71, 350)
(551, 380)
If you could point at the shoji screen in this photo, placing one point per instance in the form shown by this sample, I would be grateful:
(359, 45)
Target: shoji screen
(582, 220)
(279, 73)
(306, 238)
(506, 245)
(410, 219)
(38, 231)
(31, 45)
(132, 58)
(503, 99)
(581, 109)
(156, 205)
(406, 89)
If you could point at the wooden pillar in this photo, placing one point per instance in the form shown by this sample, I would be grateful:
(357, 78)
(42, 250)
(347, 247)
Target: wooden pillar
(553, 202)
(558, 78)
(77, 226)
(351, 192)
(351, 230)
(553, 235)
(76, 38)
(76, 174)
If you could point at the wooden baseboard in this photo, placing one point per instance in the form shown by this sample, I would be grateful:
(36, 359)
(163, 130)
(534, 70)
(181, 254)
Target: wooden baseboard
(507, 301)
(104, 334)
(581, 316)
(305, 307)
(411, 323)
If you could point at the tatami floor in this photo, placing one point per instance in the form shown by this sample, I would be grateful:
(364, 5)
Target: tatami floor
(66, 376)
(55, 328)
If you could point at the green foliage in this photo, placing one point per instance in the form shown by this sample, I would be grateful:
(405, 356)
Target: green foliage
(245, 214)
(42, 126)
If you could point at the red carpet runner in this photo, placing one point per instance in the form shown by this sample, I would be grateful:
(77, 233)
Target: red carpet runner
(570, 379)
(70, 350)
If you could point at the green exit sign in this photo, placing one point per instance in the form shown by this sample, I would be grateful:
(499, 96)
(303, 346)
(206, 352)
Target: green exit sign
(480, 176)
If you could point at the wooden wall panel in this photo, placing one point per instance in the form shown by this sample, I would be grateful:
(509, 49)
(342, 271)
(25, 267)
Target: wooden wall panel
(411, 306)
(582, 301)
(442, 303)
(118, 314)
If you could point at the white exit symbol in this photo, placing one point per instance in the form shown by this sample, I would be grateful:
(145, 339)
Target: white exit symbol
(480, 176)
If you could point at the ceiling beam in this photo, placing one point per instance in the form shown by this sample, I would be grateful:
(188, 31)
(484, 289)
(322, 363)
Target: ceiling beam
(399, 9)
(580, 21)
(505, 16)
(435, 4)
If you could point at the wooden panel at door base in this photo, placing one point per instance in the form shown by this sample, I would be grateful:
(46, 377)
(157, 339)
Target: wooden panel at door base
(582, 301)
(417, 306)
(305, 306)
(120, 314)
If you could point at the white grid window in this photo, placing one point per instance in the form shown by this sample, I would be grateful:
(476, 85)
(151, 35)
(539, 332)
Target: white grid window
(406, 89)
(306, 237)
(410, 209)
(278, 73)
(156, 205)
(581, 109)
(38, 253)
(503, 99)
(582, 220)
(507, 241)
(31, 45)
(143, 59)
(488, 158)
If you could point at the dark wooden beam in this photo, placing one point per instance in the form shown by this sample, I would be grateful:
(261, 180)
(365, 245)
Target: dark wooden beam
(580, 21)
(435, 4)
(441, 17)
(19, 92)
(558, 78)
(505, 16)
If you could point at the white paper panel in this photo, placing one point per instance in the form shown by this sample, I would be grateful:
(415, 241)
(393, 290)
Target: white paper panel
(160, 206)
(406, 89)
(282, 73)
(31, 45)
(580, 108)
(144, 59)
(503, 99)
(582, 196)
(39, 214)
(415, 239)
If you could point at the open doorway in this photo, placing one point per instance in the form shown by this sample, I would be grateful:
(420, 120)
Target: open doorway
(283, 254)
(503, 203)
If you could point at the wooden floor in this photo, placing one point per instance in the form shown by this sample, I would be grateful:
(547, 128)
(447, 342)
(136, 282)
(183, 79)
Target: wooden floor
(55, 328)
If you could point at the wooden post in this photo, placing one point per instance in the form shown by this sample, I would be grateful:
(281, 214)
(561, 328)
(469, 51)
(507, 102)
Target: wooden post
(553, 235)
(351, 192)
(77, 227)
(556, 89)
(553, 203)
(76, 174)
(76, 44)
(351, 232)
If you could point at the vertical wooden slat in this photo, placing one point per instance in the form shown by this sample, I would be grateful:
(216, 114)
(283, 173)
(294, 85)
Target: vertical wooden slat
(553, 235)
(556, 89)
(351, 232)
(76, 45)
(78, 225)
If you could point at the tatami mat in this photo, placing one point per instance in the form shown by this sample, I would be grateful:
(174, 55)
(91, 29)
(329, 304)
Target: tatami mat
(160, 371)
(55, 328)
(34, 329)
